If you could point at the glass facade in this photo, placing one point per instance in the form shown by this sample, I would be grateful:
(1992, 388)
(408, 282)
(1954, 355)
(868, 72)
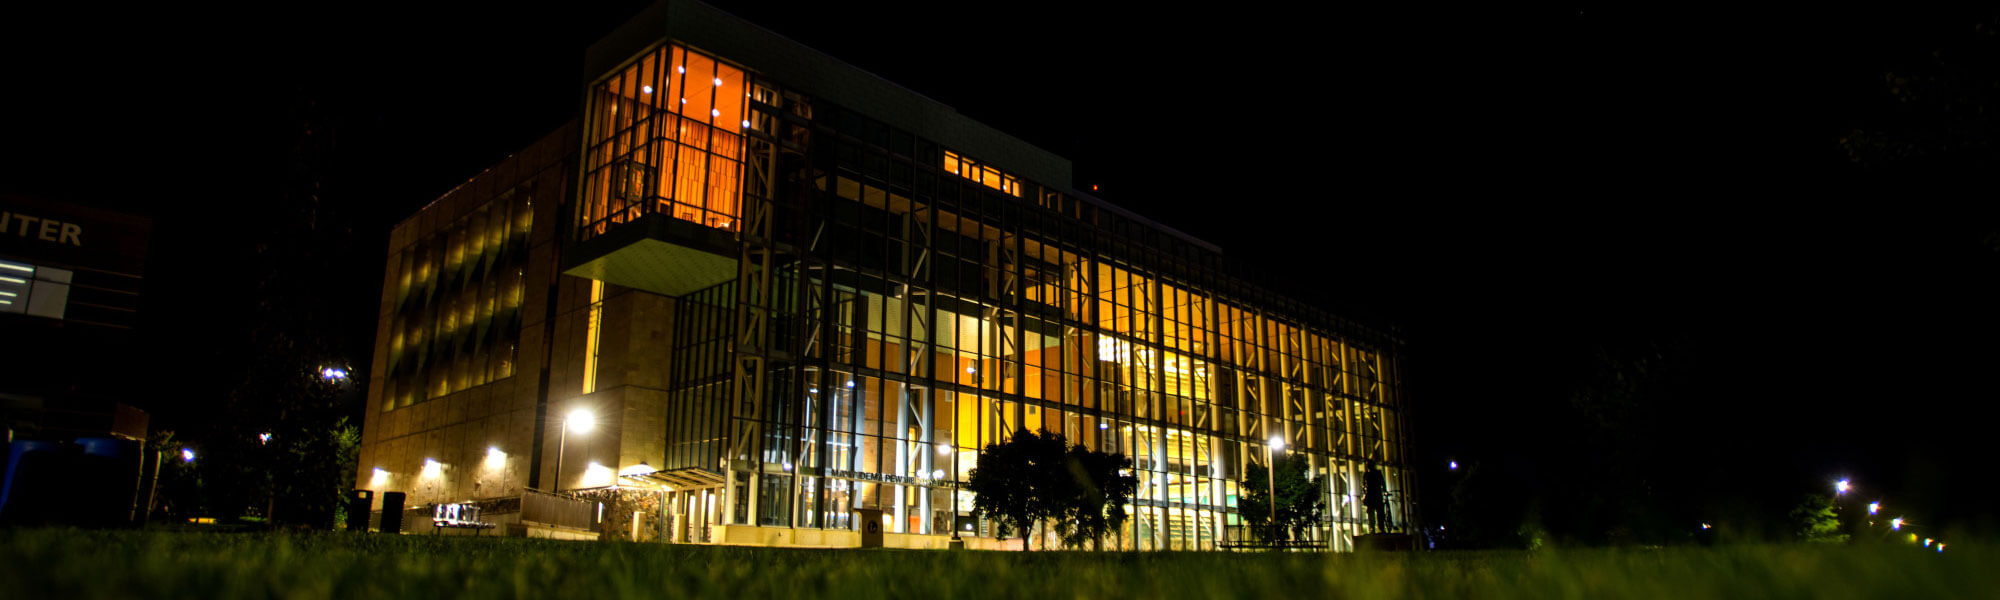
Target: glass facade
(927, 302)
(797, 297)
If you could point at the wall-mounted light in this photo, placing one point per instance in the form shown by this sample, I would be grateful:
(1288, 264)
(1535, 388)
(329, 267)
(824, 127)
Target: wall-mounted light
(379, 479)
(432, 469)
(495, 458)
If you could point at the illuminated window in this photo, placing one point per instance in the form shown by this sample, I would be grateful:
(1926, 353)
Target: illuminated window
(666, 136)
(988, 176)
(33, 290)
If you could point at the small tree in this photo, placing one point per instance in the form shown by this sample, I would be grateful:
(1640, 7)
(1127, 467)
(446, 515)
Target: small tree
(1814, 520)
(1301, 498)
(1038, 476)
(1012, 487)
(1103, 486)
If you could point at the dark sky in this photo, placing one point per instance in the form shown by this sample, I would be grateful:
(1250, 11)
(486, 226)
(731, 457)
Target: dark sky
(1513, 187)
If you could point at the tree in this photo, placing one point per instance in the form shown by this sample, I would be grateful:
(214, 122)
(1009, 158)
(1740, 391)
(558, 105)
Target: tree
(1301, 498)
(1011, 487)
(1814, 520)
(1103, 487)
(1038, 476)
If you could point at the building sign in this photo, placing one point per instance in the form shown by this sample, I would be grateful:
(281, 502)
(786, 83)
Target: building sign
(72, 237)
(41, 228)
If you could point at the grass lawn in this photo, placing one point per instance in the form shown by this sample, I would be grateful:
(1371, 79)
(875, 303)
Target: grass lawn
(130, 564)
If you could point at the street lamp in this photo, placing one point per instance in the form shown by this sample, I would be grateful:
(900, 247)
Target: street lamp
(582, 420)
(1874, 507)
(1896, 524)
(1277, 445)
(1840, 487)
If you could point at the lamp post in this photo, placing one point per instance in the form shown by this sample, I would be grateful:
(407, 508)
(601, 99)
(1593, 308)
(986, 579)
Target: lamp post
(1277, 445)
(582, 420)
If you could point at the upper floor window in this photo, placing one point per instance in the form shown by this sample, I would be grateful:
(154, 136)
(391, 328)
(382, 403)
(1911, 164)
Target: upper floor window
(985, 175)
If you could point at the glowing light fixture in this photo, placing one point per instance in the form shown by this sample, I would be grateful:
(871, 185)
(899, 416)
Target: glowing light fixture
(746, 123)
(850, 383)
(1874, 507)
(971, 370)
(1896, 524)
(938, 474)
(646, 89)
(718, 82)
(432, 469)
(187, 455)
(263, 438)
(333, 373)
(16, 267)
(1454, 465)
(1927, 542)
(379, 479)
(1706, 526)
(495, 458)
(9, 294)
(13, 280)
(580, 420)
(944, 449)
(1277, 443)
(1103, 425)
(680, 68)
(1840, 487)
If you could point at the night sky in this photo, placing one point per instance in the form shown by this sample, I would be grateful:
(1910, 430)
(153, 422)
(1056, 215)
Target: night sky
(1516, 189)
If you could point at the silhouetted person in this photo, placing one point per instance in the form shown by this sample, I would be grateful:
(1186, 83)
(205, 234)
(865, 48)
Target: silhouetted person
(1372, 488)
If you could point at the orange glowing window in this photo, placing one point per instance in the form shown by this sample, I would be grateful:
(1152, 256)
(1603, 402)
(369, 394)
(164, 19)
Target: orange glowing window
(666, 137)
(987, 176)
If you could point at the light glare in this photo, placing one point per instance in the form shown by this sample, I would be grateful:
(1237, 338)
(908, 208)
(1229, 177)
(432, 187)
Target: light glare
(1277, 443)
(581, 420)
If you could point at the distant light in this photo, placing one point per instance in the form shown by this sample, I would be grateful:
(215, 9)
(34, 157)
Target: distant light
(938, 474)
(580, 420)
(1896, 524)
(1093, 187)
(788, 466)
(746, 123)
(646, 89)
(1940, 546)
(1277, 443)
(1454, 465)
(1103, 425)
(718, 82)
(1873, 507)
(971, 370)
(1840, 487)
(263, 438)
(944, 449)
(187, 455)
(715, 112)
(495, 458)
(850, 383)
(684, 101)
(812, 390)
(333, 373)
(680, 68)
(1927, 542)
(1706, 526)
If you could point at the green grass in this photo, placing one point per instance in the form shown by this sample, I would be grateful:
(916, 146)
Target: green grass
(127, 564)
